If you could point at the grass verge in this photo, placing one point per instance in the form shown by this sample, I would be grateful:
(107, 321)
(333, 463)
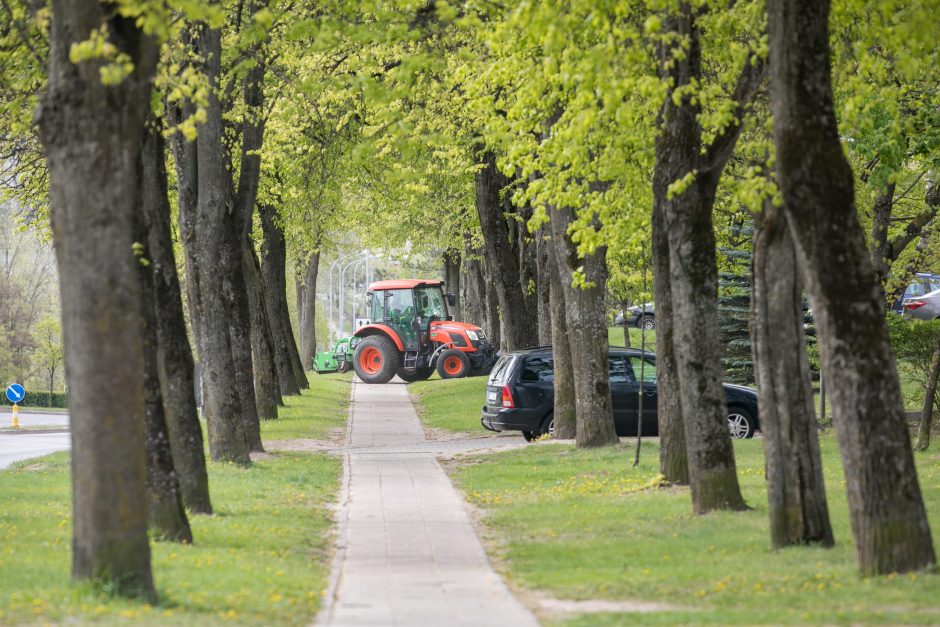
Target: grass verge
(316, 413)
(451, 404)
(262, 559)
(583, 524)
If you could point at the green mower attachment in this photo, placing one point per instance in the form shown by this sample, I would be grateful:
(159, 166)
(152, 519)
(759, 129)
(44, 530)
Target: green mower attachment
(340, 359)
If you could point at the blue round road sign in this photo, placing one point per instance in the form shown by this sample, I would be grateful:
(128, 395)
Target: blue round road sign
(16, 393)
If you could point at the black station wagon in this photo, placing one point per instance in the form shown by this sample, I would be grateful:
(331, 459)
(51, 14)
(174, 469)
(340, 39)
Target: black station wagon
(520, 395)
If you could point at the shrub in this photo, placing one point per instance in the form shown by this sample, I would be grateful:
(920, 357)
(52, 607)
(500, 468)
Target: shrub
(41, 399)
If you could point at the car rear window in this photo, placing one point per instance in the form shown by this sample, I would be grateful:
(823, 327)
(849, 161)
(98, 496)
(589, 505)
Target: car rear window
(538, 369)
(501, 369)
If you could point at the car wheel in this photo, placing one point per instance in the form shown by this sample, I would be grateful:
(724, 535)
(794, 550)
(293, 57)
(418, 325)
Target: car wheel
(453, 364)
(415, 374)
(376, 359)
(548, 425)
(646, 322)
(740, 423)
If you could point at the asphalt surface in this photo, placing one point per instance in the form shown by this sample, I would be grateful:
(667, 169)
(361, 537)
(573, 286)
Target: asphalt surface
(25, 444)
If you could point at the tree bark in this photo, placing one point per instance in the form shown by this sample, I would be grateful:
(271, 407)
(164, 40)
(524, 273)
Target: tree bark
(796, 492)
(544, 262)
(167, 519)
(692, 268)
(930, 397)
(248, 301)
(298, 365)
(673, 456)
(473, 287)
(565, 408)
(308, 333)
(267, 386)
(586, 322)
(92, 136)
(206, 228)
(452, 280)
(885, 504)
(493, 321)
(519, 329)
(174, 356)
(274, 289)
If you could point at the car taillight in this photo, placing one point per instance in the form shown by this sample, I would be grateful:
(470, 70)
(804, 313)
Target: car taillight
(911, 305)
(507, 398)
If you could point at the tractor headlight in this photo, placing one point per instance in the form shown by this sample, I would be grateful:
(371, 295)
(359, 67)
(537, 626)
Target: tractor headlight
(473, 335)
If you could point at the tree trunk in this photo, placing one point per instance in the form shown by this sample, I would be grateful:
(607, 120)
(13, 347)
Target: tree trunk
(796, 492)
(308, 334)
(673, 456)
(565, 408)
(452, 280)
(880, 221)
(274, 291)
(519, 329)
(544, 262)
(296, 363)
(693, 281)
(494, 324)
(248, 300)
(267, 386)
(167, 519)
(92, 137)
(930, 397)
(174, 356)
(624, 306)
(586, 321)
(885, 504)
(474, 290)
(206, 230)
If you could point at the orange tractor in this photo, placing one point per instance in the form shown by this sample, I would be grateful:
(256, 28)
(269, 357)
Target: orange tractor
(412, 333)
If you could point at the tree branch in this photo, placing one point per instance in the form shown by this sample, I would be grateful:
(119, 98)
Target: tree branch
(719, 151)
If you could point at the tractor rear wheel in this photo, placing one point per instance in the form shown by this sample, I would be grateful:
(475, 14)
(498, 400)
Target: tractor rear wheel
(414, 374)
(376, 359)
(453, 364)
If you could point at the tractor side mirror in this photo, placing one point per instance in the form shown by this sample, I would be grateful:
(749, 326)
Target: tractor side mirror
(451, 300)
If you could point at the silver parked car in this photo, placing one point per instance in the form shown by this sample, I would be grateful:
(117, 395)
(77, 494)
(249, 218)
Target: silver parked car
(926, 307)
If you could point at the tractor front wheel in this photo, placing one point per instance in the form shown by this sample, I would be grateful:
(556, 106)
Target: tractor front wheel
(376, 359)
(453, 364)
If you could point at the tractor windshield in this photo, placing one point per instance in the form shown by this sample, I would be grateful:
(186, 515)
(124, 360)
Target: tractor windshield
(430, 303)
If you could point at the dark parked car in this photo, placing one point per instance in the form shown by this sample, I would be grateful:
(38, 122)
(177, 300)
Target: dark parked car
(520, 395)
(639, 316)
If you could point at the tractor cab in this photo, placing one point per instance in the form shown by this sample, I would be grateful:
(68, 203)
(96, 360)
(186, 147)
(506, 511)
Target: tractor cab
(408, 311)
(413, 331)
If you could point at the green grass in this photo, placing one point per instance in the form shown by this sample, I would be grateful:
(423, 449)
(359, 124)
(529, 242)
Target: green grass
(615, 338)
(451, 404)
(320, 409)
(581, 524)
(262, 559)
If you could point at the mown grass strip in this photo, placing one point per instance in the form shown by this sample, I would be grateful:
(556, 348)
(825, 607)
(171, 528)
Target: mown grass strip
(581, 524)
(262, 559)
(451, 404)
(314, 414)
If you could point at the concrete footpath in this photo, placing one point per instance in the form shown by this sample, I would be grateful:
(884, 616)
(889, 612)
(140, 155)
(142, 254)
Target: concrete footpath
(407, 551)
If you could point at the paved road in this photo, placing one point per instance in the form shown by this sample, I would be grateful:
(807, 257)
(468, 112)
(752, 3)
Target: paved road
(34, 419)
(17, 446)
(408, 553)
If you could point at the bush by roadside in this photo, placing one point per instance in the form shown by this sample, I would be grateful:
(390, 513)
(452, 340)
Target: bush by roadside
(58, 400)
